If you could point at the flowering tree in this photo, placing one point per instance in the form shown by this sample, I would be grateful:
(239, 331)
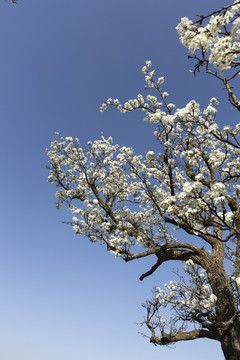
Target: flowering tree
(134, 204)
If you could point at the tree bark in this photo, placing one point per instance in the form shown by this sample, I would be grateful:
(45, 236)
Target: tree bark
(231, 343)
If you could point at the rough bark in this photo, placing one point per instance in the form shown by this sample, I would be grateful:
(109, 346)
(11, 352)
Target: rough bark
(227, 324)
(231, 343)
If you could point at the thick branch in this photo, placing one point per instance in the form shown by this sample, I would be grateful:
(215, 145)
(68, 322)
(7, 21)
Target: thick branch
(181, 336)
(218, 328)
(151, 271)
(172, 251)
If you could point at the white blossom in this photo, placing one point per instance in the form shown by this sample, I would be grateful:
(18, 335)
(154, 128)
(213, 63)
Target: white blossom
(211, 40)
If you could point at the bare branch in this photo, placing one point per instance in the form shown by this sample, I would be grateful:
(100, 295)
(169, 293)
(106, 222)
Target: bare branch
(166, 339)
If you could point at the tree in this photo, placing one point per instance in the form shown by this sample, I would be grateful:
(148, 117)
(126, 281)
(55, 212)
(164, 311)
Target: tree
(135, 204)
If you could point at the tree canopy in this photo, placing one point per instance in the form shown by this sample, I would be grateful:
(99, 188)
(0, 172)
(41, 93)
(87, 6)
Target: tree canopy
(134, 204)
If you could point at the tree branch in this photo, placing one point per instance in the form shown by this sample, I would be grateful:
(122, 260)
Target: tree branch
(172, 251)
(166, 339)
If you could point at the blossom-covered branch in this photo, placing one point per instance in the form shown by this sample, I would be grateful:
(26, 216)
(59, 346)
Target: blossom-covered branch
(216, 43)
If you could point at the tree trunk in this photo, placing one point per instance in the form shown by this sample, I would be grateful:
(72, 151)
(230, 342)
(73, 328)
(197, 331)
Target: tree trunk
(231, 343)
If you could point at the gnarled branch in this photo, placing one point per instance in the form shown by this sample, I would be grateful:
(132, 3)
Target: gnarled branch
(166, 338)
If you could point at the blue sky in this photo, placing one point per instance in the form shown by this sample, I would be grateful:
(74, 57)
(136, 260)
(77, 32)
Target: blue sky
(61, 296)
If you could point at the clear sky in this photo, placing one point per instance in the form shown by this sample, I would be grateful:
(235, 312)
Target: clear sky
(63, 298)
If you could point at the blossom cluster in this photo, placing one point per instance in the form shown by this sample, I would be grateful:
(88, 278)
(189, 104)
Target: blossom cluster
(202, 159)
(218, 39)
(125, 198)
(192, 297)
(104, 193)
